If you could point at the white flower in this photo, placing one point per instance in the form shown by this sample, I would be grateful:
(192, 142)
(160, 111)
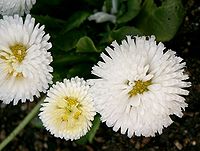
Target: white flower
(140, 84)
(103, 16)
(24, 60)
(100, 17)
(68, 110)
(11, 7)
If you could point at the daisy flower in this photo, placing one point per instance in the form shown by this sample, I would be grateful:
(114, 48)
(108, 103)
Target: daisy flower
(11, 7)
(68, 110)
(140, 85)
(24, 60)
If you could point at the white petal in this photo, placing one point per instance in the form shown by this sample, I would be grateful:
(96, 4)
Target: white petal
(11, 7)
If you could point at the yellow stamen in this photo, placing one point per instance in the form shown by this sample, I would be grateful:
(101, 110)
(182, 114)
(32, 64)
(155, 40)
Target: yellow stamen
(72, 109)
(64, 117)
(71, 101)
(77, 114)
(19, 51)
(140, 87)
(19, 75)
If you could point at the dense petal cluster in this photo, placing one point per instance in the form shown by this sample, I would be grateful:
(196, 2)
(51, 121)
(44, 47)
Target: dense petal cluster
(68, 110)
(24, 61)
(11, 7)
(140, 85)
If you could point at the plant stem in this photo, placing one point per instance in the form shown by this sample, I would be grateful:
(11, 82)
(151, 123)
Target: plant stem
(26, 120)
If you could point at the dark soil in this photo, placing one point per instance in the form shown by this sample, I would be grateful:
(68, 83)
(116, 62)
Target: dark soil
(183, 134)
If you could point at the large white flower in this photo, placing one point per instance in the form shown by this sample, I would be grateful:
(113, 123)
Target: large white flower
(24, 60)
(68, 110)
(140, 84)
(11, 7)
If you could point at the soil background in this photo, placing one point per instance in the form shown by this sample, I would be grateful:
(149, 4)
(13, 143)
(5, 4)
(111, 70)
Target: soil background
(183, 134)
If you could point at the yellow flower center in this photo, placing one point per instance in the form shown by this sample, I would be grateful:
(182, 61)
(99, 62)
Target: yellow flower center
(19, 51)
(140, 87)
(72, 109)
(17, 55)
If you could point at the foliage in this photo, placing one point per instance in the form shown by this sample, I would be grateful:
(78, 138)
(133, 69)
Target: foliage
(162, 21)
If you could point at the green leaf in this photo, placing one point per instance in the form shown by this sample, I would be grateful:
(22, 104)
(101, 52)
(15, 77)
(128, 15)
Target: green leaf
(95, 127)
(121, 33)
(36, 122)
(68, 41)
(85, 44)
(75, 20)
(162, 21)
(133, 8)
(90, 135)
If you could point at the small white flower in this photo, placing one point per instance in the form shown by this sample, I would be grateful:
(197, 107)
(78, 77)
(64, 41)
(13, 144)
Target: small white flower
(103, 16)
(100, 17)
(68, 110)
(24, 60)
(11, 7)
(140, 85)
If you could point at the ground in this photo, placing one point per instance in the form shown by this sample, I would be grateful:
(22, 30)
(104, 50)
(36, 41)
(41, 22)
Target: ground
(183, 134)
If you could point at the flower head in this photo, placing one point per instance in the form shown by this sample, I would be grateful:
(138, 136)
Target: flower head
(11, 7)
(68, 110)
(24, 60)
(140, 85)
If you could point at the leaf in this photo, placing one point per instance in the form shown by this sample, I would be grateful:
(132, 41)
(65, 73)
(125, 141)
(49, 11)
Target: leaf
(85, 44)
(121, 33)
(95, 127)
(75, 20)
(133, 8)
(162, 21)
(36, 122)
(90, 135)
(68, 40)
